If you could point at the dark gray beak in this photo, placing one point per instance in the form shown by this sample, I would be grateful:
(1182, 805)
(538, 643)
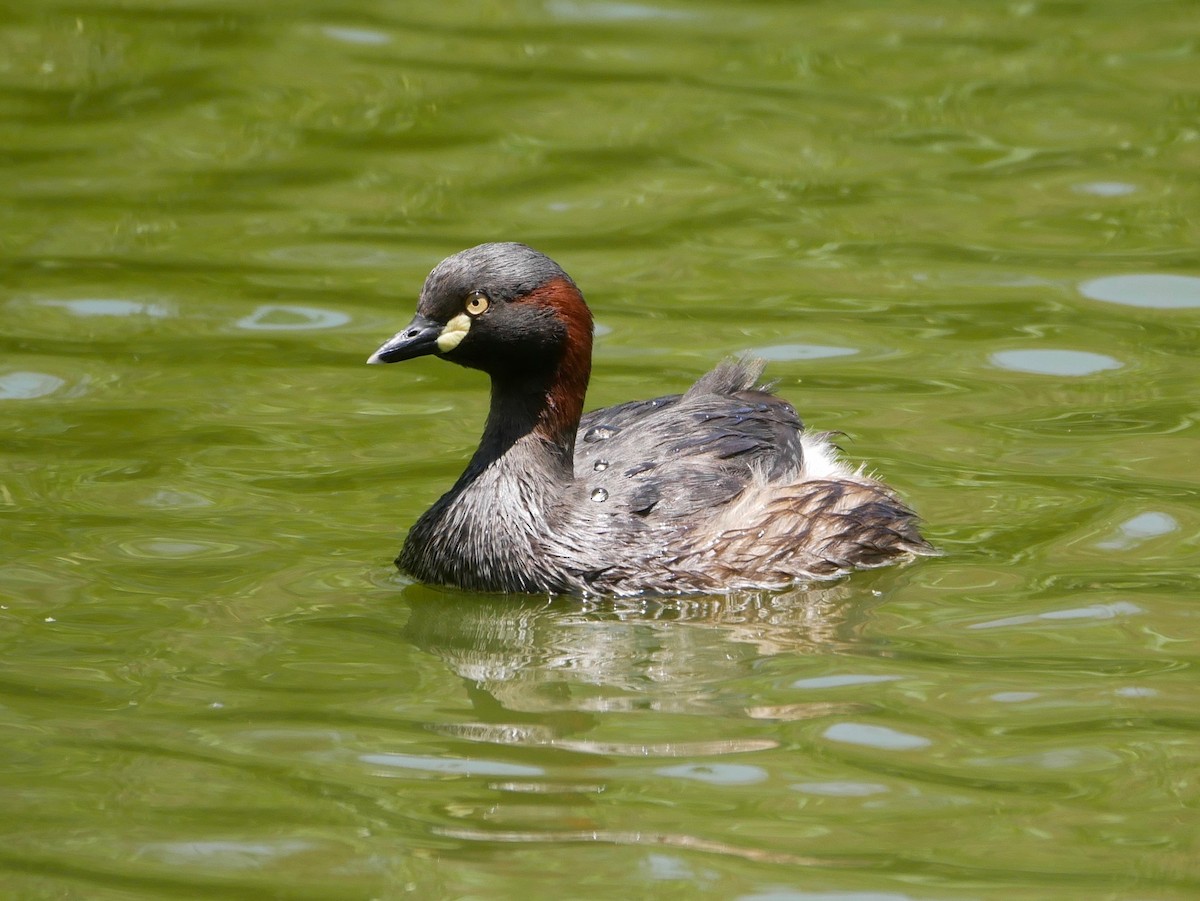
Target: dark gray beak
(417, 340)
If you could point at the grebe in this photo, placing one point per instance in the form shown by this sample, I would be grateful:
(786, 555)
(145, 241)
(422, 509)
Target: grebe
(717, 489)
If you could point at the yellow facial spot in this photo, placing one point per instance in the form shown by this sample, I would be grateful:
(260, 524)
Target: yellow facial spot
(456, 329)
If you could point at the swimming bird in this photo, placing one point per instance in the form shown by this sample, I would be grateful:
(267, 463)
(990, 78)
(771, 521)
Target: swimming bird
(717, 489)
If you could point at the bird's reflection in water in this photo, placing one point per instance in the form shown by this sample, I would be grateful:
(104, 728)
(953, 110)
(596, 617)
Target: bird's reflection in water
(547, 671)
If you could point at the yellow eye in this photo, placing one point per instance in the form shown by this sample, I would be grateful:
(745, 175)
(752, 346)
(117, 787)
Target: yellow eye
(477, 303)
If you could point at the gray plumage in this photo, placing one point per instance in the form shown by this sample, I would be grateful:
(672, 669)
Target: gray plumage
(717, 489)
(509, 270)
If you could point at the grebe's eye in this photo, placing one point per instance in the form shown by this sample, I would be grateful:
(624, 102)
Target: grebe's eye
(477, 303)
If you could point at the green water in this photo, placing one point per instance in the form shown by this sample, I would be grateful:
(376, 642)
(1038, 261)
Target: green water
(965, 235)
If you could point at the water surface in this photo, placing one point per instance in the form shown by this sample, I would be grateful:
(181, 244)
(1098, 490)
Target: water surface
(963, 235)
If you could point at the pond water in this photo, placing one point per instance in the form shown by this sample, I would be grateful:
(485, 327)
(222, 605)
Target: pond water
(964, 235)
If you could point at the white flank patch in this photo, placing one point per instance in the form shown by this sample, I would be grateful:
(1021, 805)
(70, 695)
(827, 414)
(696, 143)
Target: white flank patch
(821, 460)
(456, 329)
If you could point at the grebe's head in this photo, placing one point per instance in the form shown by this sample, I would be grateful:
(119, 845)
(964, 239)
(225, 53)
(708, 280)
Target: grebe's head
(503, 308)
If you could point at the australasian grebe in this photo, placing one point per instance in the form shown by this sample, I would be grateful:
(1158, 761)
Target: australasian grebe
(716, 489)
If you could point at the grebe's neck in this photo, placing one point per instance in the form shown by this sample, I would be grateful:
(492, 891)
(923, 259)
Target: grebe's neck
(539, 406)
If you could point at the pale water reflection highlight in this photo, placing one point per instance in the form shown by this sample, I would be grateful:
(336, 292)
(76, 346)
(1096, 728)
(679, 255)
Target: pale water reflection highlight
(1152, 290)
(291, 318)
(1139, 529)
(883, 737)
(28, 385)
(1054, 362)
(106, 306)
